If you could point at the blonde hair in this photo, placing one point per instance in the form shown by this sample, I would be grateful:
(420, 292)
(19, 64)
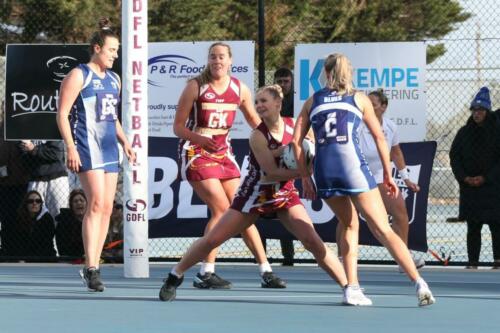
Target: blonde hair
(273, 89)
(338, 71)
(205, 76)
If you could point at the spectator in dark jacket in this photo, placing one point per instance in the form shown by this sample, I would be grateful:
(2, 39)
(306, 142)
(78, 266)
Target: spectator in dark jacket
(49, 176)
(475, 161)
(69, 225)
(34, 230)
(14, 177)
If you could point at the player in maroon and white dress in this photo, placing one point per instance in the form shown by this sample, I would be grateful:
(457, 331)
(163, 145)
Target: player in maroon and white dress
(268, 188)
(206, 111)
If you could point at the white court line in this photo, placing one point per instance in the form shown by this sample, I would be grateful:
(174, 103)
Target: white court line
(302, 296)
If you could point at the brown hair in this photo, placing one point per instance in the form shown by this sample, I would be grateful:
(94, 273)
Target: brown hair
(379, 93)
(99, 36)
(338, 71)
(23, 216)
(73, 194)
(205, 76)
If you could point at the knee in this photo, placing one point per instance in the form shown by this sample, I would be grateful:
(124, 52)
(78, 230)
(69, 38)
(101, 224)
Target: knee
(211, 241)
(96, 206)
(312, 243)
(383, 233)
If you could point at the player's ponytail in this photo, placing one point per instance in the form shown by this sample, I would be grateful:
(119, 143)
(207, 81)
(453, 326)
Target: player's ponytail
(338, 71)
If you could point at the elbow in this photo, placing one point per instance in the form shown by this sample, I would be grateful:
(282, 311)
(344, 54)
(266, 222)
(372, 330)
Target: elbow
(176, 129)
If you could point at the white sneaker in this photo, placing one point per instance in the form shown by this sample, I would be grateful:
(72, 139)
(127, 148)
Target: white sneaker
(353, 295)
(424, 294)
(419, 263)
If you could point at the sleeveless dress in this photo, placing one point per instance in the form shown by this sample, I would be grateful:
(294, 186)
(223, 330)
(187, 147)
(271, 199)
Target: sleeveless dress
(92, 121)
(340, 167)
(217, 111)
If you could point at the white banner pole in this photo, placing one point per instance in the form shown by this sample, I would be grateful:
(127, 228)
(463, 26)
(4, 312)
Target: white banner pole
(135, 125)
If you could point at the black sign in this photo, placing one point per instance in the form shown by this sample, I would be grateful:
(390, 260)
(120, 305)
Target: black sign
(172, 215)
(33, 78)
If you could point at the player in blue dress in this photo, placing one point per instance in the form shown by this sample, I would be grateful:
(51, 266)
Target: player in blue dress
(343, 178)
(88, 122)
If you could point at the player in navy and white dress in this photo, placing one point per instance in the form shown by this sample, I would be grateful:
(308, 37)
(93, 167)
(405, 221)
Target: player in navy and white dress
(92, 120)
(268, 188)
(343, 178)
(88, 121)
(205, 114)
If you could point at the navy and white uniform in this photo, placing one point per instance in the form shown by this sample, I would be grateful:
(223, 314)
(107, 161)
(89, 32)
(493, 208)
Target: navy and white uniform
(93, 118)
(339, 167)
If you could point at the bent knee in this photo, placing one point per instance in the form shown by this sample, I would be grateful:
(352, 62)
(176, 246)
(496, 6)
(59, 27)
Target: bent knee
(312, 242)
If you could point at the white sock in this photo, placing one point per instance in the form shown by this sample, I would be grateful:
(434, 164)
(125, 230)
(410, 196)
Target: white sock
(420, 281)
(207, 267)
(174, 272)
(264, 268)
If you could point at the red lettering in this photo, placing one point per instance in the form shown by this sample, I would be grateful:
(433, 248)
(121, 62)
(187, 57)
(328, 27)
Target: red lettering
(137, 22)
(137, 5)
(136, 142)
(134, 177)
(136, 86)
(136, 42)
(136, 122)
(137, 103)
(136, 67)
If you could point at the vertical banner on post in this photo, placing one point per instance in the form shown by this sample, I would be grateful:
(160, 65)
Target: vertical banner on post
(135, 125)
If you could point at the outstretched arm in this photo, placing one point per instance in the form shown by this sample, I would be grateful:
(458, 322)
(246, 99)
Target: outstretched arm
(302, 126)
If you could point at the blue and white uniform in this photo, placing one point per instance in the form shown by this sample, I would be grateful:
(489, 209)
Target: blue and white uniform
(339, 166)
(93, 118)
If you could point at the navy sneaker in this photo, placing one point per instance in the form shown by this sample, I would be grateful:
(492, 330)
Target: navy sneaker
(170, 284)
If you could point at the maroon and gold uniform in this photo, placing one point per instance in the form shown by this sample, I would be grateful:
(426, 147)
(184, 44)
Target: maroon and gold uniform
(211, 111)
(256, 195)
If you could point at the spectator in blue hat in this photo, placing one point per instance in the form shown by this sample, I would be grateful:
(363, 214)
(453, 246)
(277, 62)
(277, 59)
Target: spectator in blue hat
(475, 161)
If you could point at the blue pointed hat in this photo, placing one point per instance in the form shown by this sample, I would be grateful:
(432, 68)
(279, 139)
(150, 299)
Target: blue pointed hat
(482, 99)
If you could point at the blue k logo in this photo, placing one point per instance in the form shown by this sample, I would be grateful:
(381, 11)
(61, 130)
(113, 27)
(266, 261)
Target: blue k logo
(313, 79)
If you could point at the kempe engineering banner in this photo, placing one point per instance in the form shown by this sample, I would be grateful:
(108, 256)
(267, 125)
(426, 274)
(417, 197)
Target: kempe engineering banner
(396, 67)
(33, 78)
(175, 211)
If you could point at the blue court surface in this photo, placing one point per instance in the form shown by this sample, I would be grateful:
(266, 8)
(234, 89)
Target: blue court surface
(51, 298)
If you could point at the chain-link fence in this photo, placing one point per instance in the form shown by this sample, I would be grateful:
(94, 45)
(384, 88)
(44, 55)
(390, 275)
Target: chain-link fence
(453, 78)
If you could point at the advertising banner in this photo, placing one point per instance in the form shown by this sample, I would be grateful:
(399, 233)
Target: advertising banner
(33, 77)
(175, 211)
(397, 67)
(171, 65)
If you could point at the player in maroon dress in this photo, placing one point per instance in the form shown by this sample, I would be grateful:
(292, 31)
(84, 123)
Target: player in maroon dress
(206, 111)
(268, 188)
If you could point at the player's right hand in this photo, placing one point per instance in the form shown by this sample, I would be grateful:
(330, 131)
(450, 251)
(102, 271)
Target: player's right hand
(309, 191)
(208, 144)
(73, 159)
